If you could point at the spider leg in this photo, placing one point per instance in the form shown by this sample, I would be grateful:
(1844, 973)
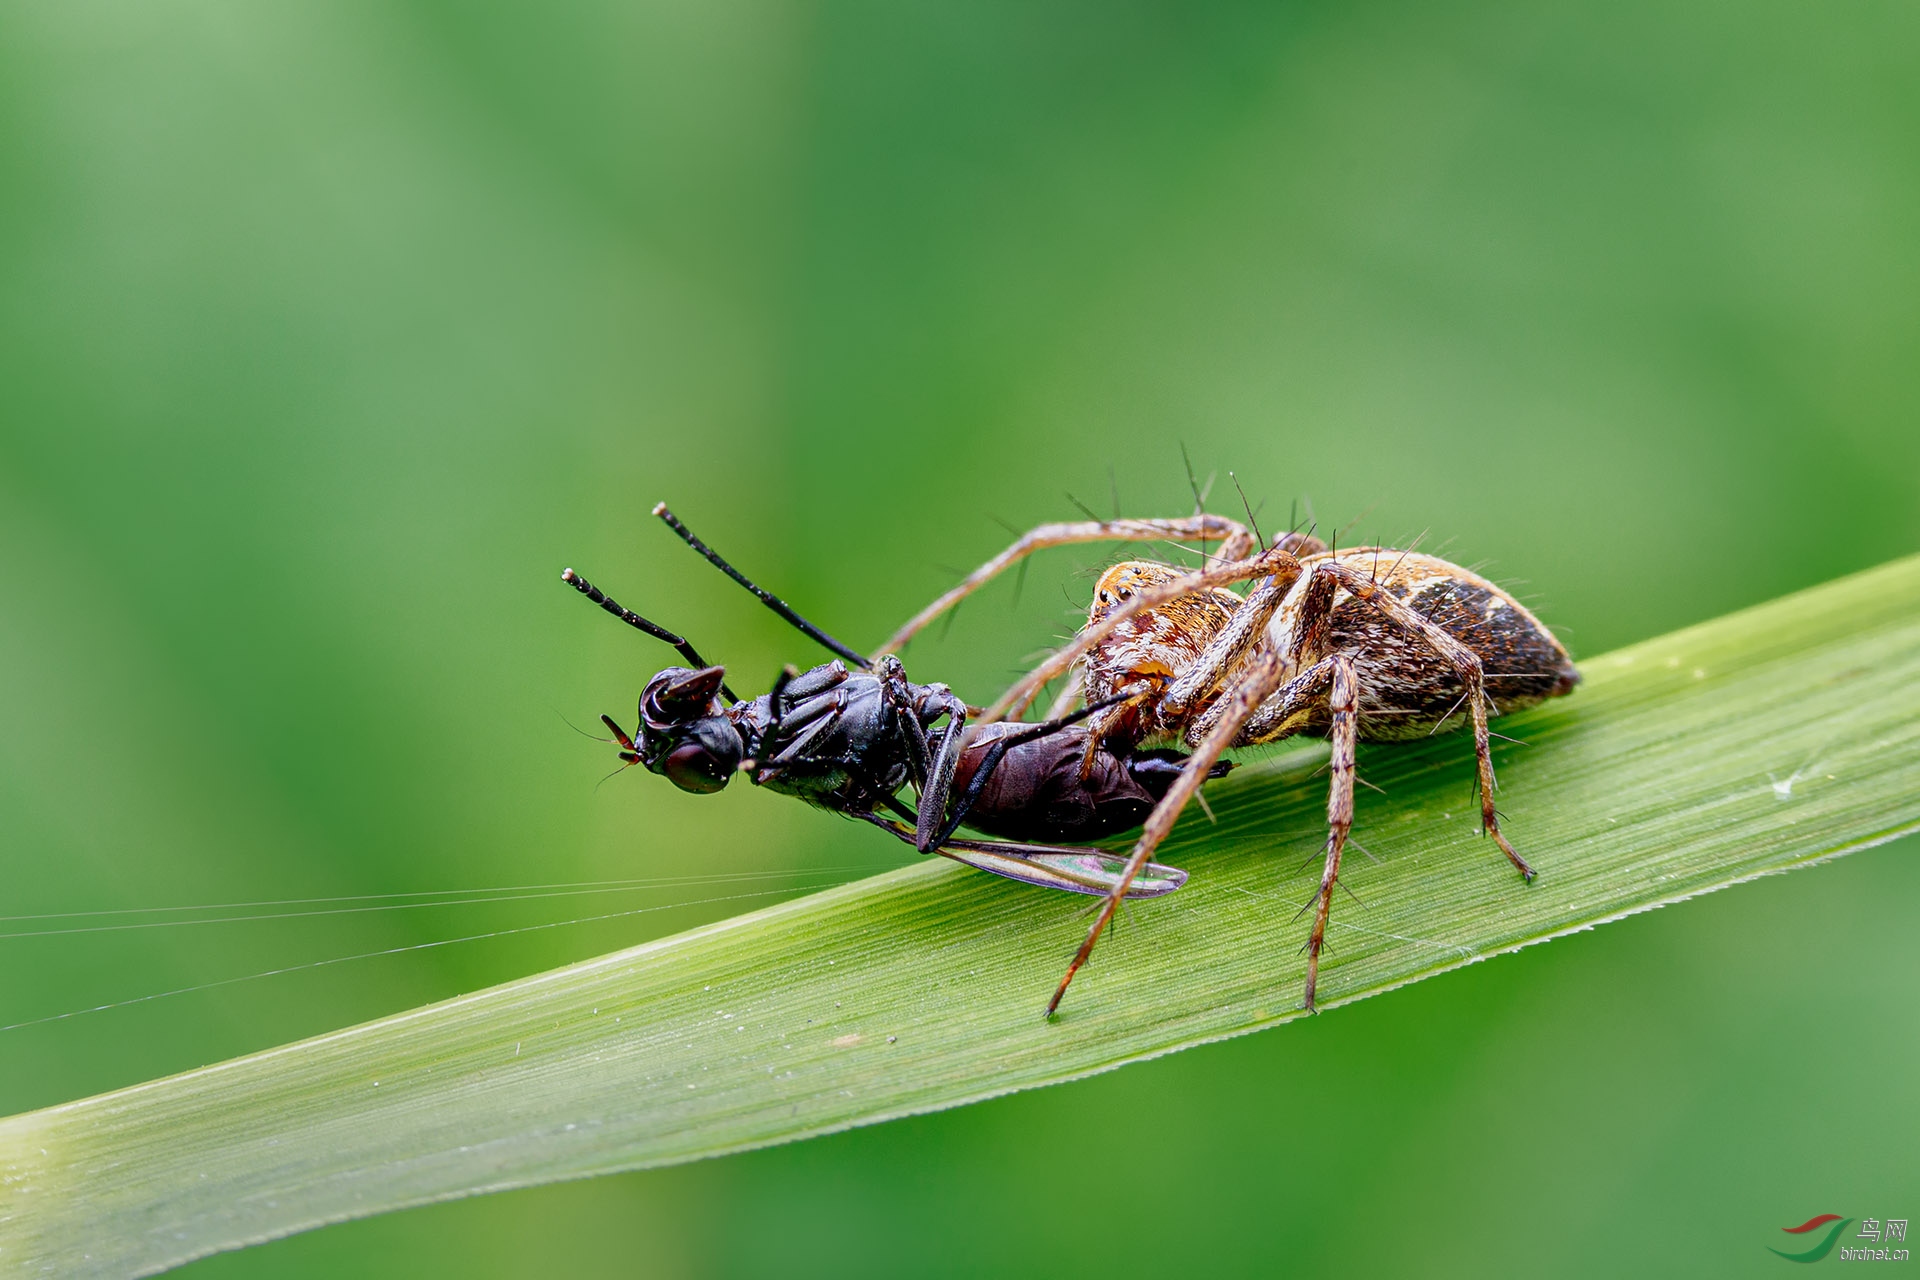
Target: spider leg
(1262, 677)
(1070, 693)
(1467, 667)
(1333, 681)
(1103, 719)
(1344, 703)
(1301, 603)
(1014, 700)
(1286, 591)
(1238, 544)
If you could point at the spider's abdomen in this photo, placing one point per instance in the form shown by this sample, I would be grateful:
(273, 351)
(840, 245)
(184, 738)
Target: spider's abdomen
(1406, 689)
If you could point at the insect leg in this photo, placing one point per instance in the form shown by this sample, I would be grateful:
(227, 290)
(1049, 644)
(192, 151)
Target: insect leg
(919, 754)
(796, 749)
(930, 831)
(1467, 667)
(1262, 678)
(1344, 703)
(1237, 544)
(776, 700)
(977, 784)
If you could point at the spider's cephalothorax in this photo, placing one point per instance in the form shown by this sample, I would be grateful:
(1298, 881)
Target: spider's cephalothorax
(1369, 642)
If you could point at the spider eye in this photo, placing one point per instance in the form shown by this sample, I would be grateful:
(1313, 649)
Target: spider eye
(691, 767)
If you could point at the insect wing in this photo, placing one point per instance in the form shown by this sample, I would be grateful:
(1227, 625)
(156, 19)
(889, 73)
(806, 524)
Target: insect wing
(1089, 871)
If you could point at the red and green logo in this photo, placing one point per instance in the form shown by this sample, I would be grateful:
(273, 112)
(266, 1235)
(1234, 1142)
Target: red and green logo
(1813, 1224)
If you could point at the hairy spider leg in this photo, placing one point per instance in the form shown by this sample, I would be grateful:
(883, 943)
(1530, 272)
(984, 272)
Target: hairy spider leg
(1015, 700)
(1263, 677)
(1295, 595)
(1282, 593)
(1334, 680)
(1302, 623)
(1237, 544)
(1344, 702)
(1305, 619)
(1467, 668)
(1070, 693)
(1307, 612)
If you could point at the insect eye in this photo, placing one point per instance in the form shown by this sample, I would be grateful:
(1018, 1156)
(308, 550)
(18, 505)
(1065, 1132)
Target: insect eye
(691, 767)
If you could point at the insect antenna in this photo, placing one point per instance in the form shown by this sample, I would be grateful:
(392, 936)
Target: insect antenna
(627, 761)
(633, 619)
(767, 598)
(582, 732)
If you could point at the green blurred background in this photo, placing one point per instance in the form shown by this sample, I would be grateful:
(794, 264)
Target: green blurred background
(330, 332)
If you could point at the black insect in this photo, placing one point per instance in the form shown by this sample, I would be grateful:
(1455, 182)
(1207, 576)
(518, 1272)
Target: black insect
(851, 734)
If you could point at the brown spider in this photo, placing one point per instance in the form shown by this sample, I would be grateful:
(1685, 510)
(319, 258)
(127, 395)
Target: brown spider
(1369, 642)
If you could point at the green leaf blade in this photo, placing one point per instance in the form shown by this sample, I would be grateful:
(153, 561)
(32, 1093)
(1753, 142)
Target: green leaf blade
(1759, 742)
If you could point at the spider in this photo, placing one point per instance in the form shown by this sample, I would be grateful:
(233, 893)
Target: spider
(1366, 643)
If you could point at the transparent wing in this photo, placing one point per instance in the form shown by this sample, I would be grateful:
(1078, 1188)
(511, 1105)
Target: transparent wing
(1064, 867)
